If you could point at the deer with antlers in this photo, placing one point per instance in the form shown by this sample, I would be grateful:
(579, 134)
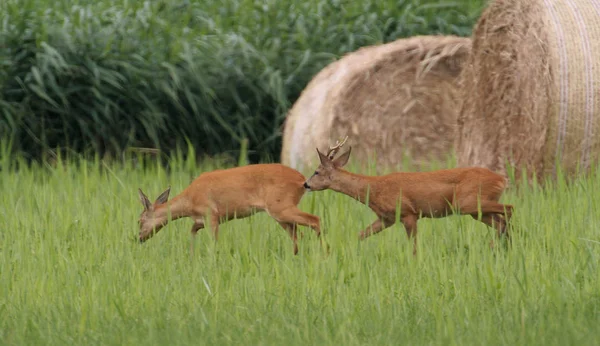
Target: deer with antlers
(435, 194)
(221, 195)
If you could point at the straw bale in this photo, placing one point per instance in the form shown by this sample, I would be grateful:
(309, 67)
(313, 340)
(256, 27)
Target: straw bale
(530, 88)
(393, 100)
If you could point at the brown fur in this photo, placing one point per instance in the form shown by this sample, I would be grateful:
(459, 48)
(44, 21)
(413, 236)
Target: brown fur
(425, 194)
(221, 195)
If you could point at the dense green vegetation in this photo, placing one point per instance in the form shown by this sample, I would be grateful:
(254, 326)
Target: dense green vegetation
(71, 271)
(103, 76)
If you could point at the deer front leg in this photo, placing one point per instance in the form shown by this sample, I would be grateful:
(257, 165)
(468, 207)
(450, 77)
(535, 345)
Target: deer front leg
(214, 226)
(374, 228)
(198, 225)
(410, 224)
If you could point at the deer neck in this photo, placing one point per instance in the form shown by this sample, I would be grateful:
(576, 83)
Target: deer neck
(353, 185)
(172, 210)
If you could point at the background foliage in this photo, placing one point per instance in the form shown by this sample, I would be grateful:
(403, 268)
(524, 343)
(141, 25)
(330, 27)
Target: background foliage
(108, 75)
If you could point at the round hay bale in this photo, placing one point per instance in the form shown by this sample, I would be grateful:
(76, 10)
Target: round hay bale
(530, 88)
(393, 101)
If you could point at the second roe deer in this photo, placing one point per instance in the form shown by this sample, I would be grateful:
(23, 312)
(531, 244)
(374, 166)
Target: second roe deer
(224, 194)
(432, 194)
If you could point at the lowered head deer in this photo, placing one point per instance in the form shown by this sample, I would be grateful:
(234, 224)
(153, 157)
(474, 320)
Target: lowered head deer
(221, 195)
(432, 194)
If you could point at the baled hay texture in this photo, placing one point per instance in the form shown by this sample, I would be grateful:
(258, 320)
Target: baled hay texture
(391, 100)
(531, 88)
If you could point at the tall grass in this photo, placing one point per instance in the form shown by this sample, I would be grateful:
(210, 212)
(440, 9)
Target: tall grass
(70, 272)
(102, 76)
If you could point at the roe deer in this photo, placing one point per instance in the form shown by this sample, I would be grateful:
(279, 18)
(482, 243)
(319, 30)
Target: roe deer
(225, 194)
(425, 194)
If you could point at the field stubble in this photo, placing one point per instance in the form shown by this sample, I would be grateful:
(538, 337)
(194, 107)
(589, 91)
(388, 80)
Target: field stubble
(70, 271)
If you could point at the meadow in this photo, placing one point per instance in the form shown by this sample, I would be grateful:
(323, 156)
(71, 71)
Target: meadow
(102, 77)
(71, 271)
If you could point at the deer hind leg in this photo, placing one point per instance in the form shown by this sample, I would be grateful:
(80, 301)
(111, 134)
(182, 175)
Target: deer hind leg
(374, 228)
(410, 224)
(497, 222)
(296, 216)
(508, 214)
(472, 207)
(494, 214)
(494, 221)
(291, 228)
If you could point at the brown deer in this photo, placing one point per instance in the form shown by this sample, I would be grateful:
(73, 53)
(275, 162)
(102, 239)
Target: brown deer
(221, 195)
(432, 194)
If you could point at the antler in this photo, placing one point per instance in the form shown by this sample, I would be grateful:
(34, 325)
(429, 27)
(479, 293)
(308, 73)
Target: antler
(333, 150)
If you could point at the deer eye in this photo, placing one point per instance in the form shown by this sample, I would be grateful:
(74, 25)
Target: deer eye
(316, 173)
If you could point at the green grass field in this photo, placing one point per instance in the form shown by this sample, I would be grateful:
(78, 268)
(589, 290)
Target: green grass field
(71, 273)
(108, 75)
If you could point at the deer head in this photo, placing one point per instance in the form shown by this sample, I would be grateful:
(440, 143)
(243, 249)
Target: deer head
(326, 172)
(149, 222)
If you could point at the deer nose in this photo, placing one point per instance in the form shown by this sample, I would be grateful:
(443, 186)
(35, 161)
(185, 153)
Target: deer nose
(306, 185)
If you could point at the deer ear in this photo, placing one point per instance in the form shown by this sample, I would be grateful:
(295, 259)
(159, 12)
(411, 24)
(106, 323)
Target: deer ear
(342, 160)
(323, 158)
(164, 197)
(145, 201)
